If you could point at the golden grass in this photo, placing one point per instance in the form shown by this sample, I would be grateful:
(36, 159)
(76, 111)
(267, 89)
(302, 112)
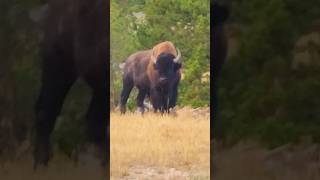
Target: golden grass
(181, 142)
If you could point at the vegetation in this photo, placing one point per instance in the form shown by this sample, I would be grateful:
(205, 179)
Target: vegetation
(140, 25)
(269, 90)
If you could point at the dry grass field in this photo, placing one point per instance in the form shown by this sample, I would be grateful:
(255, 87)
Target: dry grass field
(160, 147)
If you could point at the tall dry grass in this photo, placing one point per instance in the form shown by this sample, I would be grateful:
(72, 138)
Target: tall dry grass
(181, 142)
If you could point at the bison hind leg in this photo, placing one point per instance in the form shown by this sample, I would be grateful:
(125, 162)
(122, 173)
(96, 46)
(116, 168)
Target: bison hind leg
(126, 89)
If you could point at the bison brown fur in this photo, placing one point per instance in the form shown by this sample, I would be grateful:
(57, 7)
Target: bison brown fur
(156, 73)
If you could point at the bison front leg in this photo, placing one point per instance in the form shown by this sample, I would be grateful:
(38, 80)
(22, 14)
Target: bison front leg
(57, 78)
(164, 104)
(97, 119)
(173, 96)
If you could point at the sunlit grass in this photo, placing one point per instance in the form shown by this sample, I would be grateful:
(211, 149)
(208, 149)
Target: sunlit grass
(181, 142)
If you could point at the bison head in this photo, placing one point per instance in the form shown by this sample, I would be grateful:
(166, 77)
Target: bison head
(166, 65)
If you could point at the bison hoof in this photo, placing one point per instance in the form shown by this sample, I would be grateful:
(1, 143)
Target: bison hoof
(173, 112)
(122, 109)
(42, 154)
(41, 160)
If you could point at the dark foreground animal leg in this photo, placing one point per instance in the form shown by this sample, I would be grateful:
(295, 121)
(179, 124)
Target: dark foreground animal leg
(97, 119)
(56, 82)
(140, 98)
(126, 89)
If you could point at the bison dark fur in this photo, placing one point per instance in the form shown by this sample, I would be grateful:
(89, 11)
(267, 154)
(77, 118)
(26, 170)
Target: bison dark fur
(159, 81)
(74, 46)
(163, 94)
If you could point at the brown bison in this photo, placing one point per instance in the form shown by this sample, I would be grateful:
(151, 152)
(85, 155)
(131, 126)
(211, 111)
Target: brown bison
(156, 74)
(74, 46)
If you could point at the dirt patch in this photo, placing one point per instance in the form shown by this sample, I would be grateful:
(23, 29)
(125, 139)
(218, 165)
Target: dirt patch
(144, 172)
(157, 173)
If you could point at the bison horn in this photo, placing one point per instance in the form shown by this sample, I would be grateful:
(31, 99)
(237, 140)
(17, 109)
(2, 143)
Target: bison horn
(177, 59)
(153, 59)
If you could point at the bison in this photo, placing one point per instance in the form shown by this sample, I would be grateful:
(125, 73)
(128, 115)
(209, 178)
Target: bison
(74, 45)
(156, 74)
(219, 50)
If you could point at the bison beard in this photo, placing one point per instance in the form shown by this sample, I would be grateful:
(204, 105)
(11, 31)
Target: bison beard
(157, 77)
(74, 46)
